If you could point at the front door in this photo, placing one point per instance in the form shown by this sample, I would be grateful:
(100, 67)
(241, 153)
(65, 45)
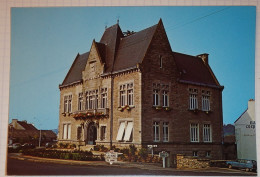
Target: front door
(92, 133)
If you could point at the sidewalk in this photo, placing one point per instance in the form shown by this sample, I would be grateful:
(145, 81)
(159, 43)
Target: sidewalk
(144, 166)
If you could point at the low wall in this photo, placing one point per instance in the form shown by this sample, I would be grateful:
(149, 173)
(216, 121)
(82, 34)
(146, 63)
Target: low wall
(191, 162)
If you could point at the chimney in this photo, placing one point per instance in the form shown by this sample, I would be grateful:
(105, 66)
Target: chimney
(204, 57)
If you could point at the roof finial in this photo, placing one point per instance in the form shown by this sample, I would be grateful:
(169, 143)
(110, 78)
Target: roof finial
(117, 20)
(105, 25)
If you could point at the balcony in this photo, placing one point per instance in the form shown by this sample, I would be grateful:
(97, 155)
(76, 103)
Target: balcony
(91, 113)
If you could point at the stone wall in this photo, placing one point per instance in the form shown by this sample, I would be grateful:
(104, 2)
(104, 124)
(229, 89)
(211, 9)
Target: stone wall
(191, 162)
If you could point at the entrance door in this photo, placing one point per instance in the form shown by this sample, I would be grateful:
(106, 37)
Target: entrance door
(92, 133)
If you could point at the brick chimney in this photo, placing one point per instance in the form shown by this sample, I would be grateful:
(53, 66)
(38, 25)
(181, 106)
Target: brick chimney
(204, 57)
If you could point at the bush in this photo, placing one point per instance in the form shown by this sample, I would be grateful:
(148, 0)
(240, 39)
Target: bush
(143, 153)
(124, 151)
(132, 149)
(61, 145)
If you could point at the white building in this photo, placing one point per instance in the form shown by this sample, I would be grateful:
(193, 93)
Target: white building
(246, 133)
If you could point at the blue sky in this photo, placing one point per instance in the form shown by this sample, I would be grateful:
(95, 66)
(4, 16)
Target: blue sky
(45, 41)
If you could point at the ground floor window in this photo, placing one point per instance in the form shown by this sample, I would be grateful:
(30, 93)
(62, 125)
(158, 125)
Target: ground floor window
(79, 133)
(125, 131)
(156, 131)
(103, 132)
(195, 153)
(194, 132)
(66, 131)
(208, 154)
(165, 131)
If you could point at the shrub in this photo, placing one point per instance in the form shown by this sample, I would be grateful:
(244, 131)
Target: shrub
(73, 146)
(132, 149)
(124, 151)
(143, 153)
(61, 145)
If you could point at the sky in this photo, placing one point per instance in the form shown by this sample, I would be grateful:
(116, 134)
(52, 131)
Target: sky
(45, 42)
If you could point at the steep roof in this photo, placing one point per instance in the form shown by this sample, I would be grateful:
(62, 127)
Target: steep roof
(75, 72)
(194, 70)
(132, 48)
(26, 126)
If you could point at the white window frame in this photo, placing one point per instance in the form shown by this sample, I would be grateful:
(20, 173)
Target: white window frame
(208, 153)
(126, 95)
(205, 103)
(165, 98)
(104, 98)
(66, 131)
(156, 131)
(165, 131)
(128, 131)
(80, 102)
(156, 97)
(194, 132)
(193, 101)
(121, 131)
(65, 103)
(207, 136)
(130, 97)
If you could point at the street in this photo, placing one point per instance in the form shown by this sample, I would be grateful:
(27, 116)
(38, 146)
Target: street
(25, 167)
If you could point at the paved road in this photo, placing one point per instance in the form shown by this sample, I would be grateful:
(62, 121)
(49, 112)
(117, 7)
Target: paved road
(24, 167)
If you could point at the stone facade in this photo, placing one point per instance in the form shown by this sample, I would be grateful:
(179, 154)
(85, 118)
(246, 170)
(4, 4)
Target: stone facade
(143, 120)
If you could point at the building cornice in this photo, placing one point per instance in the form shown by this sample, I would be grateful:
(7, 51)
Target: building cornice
(202, 84)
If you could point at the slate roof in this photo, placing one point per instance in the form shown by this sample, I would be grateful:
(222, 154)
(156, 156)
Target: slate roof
(75, 72)
(120, 52)
(194, 70)
(31, 133)
(26, 126)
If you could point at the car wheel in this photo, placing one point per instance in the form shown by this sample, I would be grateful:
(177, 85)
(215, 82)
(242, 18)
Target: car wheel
(229, 166)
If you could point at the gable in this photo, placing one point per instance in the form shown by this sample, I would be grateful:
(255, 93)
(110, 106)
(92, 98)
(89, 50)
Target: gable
(94, 65)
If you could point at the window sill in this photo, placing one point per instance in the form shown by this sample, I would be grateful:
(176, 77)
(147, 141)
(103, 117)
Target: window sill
(126, 107)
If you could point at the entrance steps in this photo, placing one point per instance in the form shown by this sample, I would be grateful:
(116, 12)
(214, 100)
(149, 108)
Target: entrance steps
(87, 147)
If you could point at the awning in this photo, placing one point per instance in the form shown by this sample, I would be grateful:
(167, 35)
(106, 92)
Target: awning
(128, 131)
(120, 131)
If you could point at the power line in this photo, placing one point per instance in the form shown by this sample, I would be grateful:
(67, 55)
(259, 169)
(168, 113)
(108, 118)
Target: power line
(197, 19)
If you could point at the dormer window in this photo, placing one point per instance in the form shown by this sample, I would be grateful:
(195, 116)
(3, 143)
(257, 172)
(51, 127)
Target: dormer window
(92, 66)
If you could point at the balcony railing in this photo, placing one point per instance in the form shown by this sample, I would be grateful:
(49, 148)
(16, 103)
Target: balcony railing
(91, 113)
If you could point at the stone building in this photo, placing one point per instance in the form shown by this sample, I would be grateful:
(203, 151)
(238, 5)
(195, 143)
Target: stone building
(131, 88)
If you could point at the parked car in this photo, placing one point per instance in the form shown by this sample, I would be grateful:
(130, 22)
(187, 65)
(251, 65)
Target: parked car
(16, 145)
(248, 165)
(28, 146)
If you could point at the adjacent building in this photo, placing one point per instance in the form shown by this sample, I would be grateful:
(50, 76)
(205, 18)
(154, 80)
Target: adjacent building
(24, 132)
(131, 88)
(246, 133)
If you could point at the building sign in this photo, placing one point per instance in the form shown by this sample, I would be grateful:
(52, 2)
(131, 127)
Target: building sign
(251, 125)
(111, 156)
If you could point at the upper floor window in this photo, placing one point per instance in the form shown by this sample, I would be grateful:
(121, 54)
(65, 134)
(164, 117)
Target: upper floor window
(156, 97)
(156, 131)
(205, 100)
(193, 99)
(104, 98)
(80, 102)
(165, 131)
(67, 103)
(206, 133)
(194, 132)
(165, 99)
(92, 99)
(160, 61)
(92, 66)
(96, 99)
(126, 94)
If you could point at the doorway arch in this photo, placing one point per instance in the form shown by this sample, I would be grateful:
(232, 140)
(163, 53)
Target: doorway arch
(92, 133)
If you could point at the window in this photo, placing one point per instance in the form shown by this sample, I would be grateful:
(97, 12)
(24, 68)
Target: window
(161, 61)
(79, 133)
(126, 94)
(205, 100)
(125, 131)
(156, 131)
(87, 100)
(66, 131)
(92, 66)
(165, 131)
(194, 132)
(104, 98)
(208, 154)
(96, 99)
(165, 99)
(91, 102)
(193, 99)
(130, 94)
(195, 153)
(156, 97)
(67, 103)
(103, 133)
(80, 102)
(206, 133)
